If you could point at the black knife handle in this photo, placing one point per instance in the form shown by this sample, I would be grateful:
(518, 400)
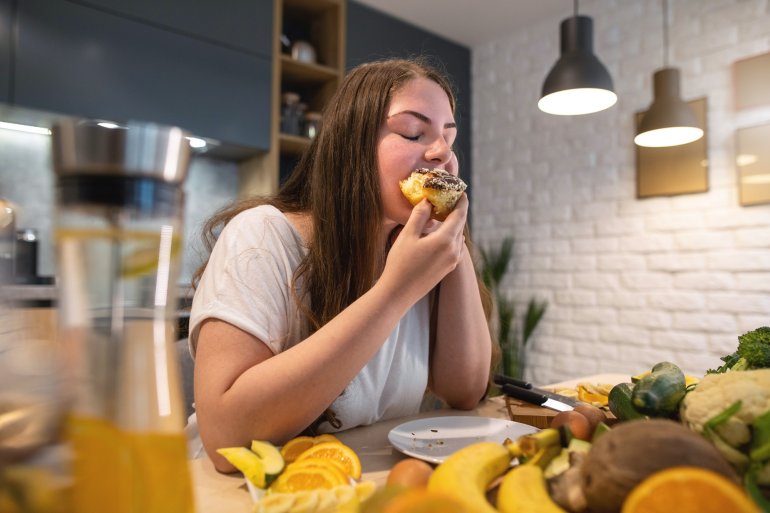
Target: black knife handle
(523, 394)
(502, 380)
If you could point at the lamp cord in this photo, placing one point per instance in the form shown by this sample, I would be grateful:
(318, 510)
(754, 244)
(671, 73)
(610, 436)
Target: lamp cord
(576, 8)
(665, 33)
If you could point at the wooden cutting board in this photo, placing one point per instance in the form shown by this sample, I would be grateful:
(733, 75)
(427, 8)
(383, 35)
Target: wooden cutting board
(537, 416)
(526, 413)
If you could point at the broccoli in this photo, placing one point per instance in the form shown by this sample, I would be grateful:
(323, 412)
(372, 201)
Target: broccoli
(753, 352)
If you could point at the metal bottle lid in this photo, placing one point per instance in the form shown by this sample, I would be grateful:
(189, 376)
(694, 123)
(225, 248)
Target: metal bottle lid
(91, 147)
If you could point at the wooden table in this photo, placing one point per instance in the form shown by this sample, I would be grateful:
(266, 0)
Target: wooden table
(215, 492)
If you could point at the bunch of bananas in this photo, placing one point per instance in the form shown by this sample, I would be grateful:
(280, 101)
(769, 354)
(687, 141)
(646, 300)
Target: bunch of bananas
(468, 473)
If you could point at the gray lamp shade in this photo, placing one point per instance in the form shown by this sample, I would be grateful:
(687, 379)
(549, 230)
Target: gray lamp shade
(578, 83)
(669, 120)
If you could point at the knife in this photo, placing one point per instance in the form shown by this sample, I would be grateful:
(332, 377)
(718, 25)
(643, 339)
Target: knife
(538, 397)
(501, 380)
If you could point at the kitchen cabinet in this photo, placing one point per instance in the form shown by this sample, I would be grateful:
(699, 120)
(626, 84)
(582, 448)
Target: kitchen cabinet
(242, 24)
(5, 50)
(374, 35)
(322, 24)
(75, 59)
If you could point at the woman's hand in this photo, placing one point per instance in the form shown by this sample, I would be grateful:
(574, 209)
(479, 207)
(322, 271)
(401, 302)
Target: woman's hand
(426, 250)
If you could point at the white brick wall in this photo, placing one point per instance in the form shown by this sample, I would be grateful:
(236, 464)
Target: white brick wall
(629, 282)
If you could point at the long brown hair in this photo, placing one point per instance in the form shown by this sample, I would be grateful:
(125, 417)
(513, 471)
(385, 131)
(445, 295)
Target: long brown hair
(336, 182)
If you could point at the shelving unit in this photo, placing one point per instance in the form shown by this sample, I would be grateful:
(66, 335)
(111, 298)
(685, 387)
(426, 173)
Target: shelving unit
(322, 24)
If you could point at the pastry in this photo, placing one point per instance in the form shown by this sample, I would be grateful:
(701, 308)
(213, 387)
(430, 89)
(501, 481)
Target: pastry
(441, 188)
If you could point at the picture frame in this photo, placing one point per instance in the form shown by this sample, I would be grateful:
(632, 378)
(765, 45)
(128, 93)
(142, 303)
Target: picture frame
(752, 163)
(674, 170)
(751, 77)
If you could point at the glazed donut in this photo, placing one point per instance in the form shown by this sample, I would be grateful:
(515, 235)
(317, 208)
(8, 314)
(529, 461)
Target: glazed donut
(442, 189)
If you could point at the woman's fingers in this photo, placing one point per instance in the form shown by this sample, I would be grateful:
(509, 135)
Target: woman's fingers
(418, 219)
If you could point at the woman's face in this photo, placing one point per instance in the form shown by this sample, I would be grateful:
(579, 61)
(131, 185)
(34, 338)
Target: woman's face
(418, 131)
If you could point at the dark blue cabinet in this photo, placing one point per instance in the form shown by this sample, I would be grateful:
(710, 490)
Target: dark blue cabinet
(5, 50)
(75, 59)
(374, 35)
(242, 24)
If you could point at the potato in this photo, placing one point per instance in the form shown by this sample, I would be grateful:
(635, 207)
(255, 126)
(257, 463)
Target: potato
(624, 456)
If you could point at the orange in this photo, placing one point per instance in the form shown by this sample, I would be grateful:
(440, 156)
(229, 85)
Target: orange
(688, 490)
(591, 397)
(332, 465)
(338, 452)
(325, 437)
(424, 501)
(295, 447)
(305, 478)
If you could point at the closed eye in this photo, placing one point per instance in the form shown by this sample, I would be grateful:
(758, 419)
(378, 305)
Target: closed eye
(410, 138)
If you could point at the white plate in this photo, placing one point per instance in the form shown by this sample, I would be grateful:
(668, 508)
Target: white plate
(433, 439)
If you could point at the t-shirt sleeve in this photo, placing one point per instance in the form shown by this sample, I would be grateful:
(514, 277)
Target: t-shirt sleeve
(248, 277)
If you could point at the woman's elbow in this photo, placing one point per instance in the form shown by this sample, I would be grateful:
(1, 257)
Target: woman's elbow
(467, 402)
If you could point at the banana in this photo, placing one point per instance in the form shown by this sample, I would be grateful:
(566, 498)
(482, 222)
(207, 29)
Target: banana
(466, 474)
(523, 490)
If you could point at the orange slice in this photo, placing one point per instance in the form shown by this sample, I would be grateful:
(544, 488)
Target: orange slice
(295, 447)
(338, 452)
(325, 437)
(587, 396)
(688, 490)
(332, 465)
(305, 478)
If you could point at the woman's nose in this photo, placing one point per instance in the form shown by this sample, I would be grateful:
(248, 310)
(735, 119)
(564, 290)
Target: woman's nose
(439, 152)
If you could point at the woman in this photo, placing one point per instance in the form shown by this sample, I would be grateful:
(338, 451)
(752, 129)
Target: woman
(315, 309)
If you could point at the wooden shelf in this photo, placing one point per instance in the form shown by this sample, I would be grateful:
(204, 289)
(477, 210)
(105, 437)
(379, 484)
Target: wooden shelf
(293, 70)
(322, 24)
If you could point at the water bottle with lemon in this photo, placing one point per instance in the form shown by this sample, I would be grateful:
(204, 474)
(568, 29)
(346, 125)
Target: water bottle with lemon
(118, 243)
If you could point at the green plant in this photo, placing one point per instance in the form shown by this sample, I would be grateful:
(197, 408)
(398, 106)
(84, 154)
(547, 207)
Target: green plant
(495, 264)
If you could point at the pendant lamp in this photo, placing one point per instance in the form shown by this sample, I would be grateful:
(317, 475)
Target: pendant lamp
(578, 83)
(669, 121)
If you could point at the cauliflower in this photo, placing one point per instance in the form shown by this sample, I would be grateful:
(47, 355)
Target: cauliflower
(726, 409)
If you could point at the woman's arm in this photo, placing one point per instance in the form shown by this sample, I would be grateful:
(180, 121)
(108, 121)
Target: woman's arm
(462, 352)
(243, 392)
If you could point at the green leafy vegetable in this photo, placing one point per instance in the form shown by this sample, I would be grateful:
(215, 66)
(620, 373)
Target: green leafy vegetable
(753, 352)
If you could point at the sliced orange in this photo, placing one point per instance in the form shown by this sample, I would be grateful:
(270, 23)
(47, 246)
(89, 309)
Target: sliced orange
(335, 466)
(688, 490)
(591, 397)
(325, 437)
(305, 478)
(295, 447)
(338, 452)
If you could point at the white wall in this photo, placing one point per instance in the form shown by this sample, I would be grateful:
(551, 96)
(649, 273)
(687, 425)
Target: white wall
(629, 282)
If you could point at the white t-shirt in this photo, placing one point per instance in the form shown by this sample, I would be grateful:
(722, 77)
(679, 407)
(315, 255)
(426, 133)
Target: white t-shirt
(247, 284)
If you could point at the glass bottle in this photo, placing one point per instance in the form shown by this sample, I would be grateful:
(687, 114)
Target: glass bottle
(118, 242)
